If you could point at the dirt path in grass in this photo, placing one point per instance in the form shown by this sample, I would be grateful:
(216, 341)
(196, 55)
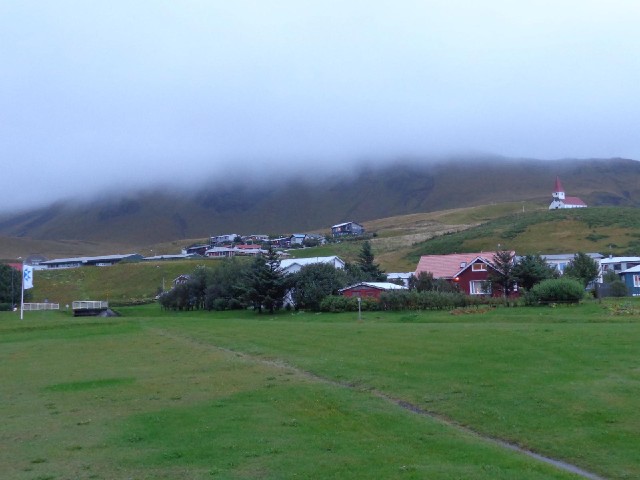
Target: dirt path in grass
(561, 465)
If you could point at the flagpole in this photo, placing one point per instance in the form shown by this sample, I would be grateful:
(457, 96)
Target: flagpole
(22, 294)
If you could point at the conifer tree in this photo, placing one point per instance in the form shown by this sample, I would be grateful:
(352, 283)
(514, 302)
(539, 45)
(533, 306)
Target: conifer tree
(265, 284)
(371, 270)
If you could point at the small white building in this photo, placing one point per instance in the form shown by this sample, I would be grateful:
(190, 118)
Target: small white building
(293, 265)
(618, 264)
(297, 239)
(400, 276)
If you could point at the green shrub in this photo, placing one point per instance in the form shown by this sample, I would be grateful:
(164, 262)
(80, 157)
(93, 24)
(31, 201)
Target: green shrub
(428, 300)
(338, 303)
(561, 290)
(618, 289)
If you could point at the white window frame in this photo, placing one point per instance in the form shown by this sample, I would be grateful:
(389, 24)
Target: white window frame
(636, 280)
(479, 287)
(479, 267)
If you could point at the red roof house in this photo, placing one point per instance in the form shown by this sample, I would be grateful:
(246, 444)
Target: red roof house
(470, 271)
(370, 289)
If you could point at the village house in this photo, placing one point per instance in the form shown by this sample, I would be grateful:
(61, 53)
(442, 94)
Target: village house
(280, 242)
(75, 262)
(561, 260)
(297, 239)
(398, 277)
(631, 278)
(618, 264)
(220, 239)
(198, 249)
(241, 250)
(469, 271)
(255, 238)
(370, 289)
(347, 228)
(294, 265)
(220, 252)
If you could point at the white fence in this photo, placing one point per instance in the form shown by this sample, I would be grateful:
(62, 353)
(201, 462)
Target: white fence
(89, 305)
(41, 306)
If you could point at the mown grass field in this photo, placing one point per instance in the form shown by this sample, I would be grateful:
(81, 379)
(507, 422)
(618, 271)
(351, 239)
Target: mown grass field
(235, 395)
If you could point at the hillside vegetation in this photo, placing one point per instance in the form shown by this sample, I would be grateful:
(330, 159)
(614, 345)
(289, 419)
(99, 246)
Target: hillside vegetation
(121, 284)
(607, 230)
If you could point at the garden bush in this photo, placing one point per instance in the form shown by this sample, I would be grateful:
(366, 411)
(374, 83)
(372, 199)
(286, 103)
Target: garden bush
(560, 290)
(338, 303)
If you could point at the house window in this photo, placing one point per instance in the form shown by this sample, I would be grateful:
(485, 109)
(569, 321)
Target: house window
(636, 280)
(479, 267)
(479, 287)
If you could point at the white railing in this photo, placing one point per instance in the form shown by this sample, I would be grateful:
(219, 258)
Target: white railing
(89, 305)
(41, 306)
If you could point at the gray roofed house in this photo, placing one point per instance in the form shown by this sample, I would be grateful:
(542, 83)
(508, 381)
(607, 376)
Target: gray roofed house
(293, 265)
(100, 261)
(347, 228)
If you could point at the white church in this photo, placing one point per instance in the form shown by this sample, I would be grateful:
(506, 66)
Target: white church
(559, 199)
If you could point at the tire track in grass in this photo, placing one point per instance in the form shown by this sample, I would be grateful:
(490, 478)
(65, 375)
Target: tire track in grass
(559, 464)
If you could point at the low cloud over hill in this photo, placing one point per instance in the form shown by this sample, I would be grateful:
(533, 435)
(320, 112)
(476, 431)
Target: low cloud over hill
(301, 204)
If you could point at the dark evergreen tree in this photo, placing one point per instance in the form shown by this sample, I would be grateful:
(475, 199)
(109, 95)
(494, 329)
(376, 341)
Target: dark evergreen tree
(425, 282)
(10, 287)
(265, 285)
(502, 272)
(531, 270)
(371, 270)
(582, 268)
(224, 285)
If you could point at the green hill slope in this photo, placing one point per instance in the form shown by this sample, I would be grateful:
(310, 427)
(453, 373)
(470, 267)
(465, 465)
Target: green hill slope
(608, 230)
(121, 284)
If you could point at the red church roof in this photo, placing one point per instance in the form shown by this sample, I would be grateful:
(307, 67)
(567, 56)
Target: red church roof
(574, 201)
(558, 186)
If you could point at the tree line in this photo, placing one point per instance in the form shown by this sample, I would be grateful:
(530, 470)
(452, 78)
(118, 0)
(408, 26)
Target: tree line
(261, 284)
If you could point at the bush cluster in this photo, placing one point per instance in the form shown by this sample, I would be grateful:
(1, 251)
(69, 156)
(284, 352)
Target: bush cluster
(338, 303)
(560, 290)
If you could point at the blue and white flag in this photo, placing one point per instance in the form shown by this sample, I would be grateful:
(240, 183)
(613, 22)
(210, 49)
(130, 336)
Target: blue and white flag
(27, 277)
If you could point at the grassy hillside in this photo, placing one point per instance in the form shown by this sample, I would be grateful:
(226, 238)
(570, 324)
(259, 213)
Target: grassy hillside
(608, 230)
(123, 283)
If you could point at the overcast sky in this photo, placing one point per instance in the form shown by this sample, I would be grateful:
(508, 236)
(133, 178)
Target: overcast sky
(101, 93)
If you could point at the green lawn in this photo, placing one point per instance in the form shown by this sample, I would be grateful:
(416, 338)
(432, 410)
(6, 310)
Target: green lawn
(236, 395)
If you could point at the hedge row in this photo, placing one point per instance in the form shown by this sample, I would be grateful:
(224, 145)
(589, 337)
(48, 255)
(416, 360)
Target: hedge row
(406, 300)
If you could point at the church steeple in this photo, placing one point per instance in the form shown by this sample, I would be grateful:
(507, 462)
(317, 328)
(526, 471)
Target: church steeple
(558, 191)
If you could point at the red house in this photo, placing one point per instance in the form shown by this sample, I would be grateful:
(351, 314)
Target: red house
(470, 271)
(370, 289)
